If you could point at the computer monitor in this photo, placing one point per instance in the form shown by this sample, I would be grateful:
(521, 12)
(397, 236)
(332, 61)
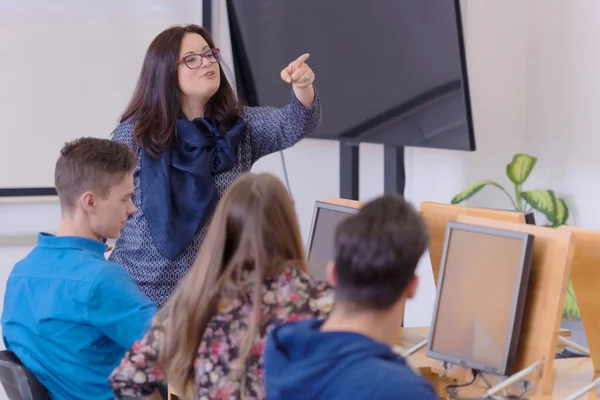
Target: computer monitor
(437, 215)
(480, 297)
(320, 247)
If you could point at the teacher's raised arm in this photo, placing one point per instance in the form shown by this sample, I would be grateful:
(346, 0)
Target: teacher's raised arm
(193, 140)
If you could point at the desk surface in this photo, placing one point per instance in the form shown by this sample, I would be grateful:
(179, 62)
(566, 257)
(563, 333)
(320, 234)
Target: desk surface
(570, 374)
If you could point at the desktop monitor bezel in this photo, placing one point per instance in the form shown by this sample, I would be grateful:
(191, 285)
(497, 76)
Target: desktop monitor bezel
(313, 225)
(517, 307)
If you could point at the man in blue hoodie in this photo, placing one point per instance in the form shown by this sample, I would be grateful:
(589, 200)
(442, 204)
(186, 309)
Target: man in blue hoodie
(349, 355)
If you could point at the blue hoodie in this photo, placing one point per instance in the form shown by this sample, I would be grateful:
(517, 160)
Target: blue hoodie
(301, 362)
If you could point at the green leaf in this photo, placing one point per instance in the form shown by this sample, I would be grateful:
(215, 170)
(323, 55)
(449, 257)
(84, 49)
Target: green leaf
(562, 212)
(472, 190)
(542, 200)
(571, 310)
(519, 169)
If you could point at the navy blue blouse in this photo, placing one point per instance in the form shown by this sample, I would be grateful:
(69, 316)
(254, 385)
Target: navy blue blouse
(268, 129)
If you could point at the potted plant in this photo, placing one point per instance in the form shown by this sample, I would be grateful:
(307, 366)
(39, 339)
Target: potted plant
(543, 200)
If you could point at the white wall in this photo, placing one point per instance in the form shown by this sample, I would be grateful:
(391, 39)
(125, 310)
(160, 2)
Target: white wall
(84, 80)
(534, 78)
(564, 85)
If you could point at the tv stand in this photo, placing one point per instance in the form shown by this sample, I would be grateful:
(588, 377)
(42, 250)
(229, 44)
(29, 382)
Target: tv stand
(394, 169)
(394, 173)
(349, 162)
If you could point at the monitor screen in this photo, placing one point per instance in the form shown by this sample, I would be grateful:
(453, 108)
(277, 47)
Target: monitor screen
(326, 218)
(387, 71)
(480, 297)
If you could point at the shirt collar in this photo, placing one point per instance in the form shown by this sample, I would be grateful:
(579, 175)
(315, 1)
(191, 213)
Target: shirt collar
(58, 242)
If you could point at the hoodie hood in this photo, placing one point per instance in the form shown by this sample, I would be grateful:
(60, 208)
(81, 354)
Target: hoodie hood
(301, 362)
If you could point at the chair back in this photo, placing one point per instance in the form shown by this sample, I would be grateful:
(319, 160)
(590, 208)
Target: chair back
(18, 382)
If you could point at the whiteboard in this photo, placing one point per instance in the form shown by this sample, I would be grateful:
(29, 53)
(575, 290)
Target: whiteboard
(68, 69)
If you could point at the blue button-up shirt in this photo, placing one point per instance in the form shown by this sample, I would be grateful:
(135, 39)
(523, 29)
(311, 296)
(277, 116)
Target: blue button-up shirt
(70, 315)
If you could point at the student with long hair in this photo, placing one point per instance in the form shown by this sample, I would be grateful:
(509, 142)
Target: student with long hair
(250, 275)
(193, 140)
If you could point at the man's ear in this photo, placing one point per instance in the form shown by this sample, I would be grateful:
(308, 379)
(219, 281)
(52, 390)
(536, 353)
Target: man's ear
(88, 202)
(331, 274)
(411, 289)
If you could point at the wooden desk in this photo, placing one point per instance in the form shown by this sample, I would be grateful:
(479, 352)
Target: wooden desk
(569, 375)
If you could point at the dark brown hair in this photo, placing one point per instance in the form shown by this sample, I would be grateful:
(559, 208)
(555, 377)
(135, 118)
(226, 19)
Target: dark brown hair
(155, 103)
(90, 164)
(254, 234)
(377, 251)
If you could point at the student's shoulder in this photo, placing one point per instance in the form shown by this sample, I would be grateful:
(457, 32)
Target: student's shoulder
(37, 260)
(99, 273)
(304, 280)
(300, 293)
(105, 270)
(399, 381)
(298, 281)
(387, 380)
(23, 265)
(108, 278)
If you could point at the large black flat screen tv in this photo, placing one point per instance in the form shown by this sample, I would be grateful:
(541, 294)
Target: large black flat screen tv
(387, 71)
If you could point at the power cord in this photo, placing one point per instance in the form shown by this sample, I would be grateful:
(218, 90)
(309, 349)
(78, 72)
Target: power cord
(526, 389)
(285, 174)
(451, 390)
(452, 393)
(485, 380)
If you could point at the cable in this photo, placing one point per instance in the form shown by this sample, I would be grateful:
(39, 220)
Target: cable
(451, 391)
(285, 174)
(485, 380)
(522, 395)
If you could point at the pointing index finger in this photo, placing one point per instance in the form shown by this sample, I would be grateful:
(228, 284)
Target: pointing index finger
(300, 60)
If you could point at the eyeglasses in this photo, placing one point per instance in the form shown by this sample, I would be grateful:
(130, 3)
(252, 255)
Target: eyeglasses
(193, 61)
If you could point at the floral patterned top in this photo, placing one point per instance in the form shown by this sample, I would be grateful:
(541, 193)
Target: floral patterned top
(289, 296)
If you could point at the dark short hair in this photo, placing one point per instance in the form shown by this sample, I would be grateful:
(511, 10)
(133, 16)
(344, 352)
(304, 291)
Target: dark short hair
(90, 164)
(377, 251)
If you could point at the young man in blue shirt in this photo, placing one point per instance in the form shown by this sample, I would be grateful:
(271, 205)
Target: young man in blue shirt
(69, 314)
(349, 355)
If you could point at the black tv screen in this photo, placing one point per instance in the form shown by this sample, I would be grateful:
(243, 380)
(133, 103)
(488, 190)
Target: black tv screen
(387, 71)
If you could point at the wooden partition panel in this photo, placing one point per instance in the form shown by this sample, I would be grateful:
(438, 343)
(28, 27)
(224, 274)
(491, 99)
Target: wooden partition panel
(553, 254)
(344, 202)
(351, 203)
(437, 216)
(585, 275)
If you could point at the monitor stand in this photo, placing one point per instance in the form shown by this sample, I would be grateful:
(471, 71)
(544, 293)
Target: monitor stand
(521, 375)
(349, 163)
(394, 171)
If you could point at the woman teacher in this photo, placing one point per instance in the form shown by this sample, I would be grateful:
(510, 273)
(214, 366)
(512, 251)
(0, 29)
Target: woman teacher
(193, 139)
